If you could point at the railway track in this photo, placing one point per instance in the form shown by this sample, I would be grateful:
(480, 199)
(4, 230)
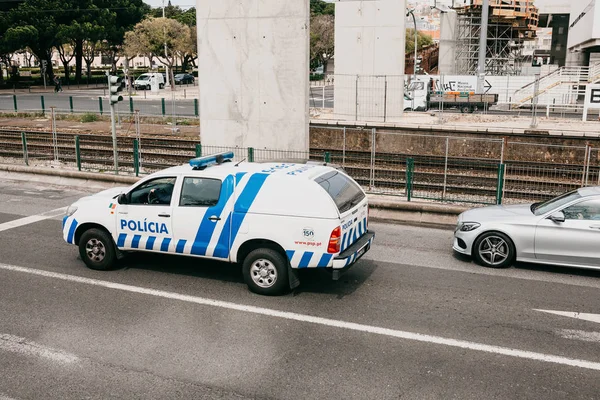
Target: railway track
(432, 175)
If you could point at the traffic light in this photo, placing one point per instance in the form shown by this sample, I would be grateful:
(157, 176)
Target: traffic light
(114, 87)
(418, 65)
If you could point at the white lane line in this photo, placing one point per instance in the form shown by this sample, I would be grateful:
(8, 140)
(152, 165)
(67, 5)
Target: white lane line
(579, 335)
(574, 314)
(21, 345)
(529, 355)
(32, 219)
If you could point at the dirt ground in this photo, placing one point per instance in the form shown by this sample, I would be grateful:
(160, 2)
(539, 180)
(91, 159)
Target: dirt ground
(74, 124)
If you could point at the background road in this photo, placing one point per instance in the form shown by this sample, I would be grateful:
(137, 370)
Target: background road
(87, 100)
(411, 321)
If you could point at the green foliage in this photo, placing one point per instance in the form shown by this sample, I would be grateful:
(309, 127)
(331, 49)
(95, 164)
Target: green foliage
(316, 77)
(186, 17)
(89, 117)
(320, 7)
(423, 40)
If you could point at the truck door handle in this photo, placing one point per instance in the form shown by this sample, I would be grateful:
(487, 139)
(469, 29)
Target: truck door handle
(214, 218)
(164, 215)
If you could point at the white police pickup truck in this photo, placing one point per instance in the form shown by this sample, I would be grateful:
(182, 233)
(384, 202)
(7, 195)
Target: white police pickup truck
(271, 218)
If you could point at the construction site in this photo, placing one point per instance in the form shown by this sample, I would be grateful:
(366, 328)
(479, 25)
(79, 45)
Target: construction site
(510, 24)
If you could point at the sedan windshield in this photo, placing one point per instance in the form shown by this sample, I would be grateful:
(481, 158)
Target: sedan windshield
(547, 206)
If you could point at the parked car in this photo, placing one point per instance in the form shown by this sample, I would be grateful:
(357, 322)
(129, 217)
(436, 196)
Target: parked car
(562, 231)
(183, 79)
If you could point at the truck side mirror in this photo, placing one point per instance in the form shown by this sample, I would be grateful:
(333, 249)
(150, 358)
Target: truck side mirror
(123, 199)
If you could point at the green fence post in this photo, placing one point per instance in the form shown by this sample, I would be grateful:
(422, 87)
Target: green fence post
(43, 104)
(100, 104)
(327, 157)
(410, 167)
(500, 184)
(198, 150)
(136, 157)
(196, 113)
(15, 102)
(131, 105)
(250, 154)
(25, 154)
(71, 103)
(164, 108)
(77, 152)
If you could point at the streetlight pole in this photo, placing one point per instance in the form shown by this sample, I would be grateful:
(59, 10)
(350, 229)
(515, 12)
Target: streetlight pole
(166, 54)
(412, 12)
(485, 13)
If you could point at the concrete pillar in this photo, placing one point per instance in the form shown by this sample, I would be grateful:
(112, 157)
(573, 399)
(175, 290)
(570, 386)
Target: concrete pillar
(369, 59)
(447, 58)
(253, 73)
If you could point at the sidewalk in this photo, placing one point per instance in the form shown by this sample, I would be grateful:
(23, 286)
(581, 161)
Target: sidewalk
(382, 208)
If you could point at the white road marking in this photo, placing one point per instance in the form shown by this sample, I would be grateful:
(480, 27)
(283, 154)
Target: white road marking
(32, 219)
(579, 335)
(21, 345)
(576, 315)
(529, 355)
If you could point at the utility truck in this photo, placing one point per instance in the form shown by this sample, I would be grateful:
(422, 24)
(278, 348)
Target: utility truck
(427, 92)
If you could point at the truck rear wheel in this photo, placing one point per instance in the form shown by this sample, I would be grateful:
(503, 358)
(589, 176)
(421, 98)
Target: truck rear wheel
(266, 272)
(465, 109)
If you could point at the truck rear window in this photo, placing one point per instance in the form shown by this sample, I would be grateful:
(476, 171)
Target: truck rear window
(343, 190)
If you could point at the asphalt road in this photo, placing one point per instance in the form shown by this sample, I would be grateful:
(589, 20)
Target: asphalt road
(410, 321)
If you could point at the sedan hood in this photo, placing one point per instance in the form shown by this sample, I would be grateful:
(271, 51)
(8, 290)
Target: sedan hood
(496, 212)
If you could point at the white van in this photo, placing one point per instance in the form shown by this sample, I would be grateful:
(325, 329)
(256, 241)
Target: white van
(144, 81)
(271, 218)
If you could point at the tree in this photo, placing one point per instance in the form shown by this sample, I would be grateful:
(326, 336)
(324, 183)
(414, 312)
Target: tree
(149, 38)
(322, 41)
(320, 7)
(127, 14)
(423, 40)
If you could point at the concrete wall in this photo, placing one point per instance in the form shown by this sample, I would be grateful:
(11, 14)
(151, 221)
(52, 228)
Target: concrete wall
(447, 61)
(253, 73)
(554, 6)
(587, 27)
(369, 55)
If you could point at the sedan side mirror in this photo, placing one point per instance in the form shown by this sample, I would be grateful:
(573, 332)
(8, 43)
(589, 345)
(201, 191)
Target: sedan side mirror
(558, 216)
(122, 199)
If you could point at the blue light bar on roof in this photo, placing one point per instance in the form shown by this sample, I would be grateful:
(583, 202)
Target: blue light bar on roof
(203, 162)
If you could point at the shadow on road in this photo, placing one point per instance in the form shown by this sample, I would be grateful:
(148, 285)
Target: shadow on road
(315, 280)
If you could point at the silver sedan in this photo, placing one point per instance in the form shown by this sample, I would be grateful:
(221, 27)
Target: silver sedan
(562, 231)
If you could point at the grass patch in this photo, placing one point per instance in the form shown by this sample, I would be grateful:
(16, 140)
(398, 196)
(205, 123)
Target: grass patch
(89, 117)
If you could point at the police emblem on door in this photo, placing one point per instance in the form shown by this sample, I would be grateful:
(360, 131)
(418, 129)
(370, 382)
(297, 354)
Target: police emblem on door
(309, 233)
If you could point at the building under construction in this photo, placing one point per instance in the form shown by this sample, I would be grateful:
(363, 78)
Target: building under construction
(510, 24)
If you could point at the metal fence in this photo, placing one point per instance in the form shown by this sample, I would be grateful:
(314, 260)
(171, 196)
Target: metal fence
(428, 167)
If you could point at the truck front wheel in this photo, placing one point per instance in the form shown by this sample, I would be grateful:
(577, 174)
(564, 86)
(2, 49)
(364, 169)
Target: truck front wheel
(97, 249)
(266, 272)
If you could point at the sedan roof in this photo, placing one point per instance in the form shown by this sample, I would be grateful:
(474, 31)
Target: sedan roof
(589, 191)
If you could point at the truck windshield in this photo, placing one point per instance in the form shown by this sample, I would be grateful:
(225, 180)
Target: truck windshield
(344, 191)
(416, 86)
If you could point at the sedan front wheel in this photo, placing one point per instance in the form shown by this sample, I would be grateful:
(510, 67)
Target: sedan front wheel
(494, 249)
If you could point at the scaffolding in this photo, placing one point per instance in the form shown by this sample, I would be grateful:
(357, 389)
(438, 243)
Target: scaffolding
(510, 24)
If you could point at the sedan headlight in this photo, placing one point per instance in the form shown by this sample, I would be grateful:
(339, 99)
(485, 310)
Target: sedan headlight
(468, 226)
(71, 210)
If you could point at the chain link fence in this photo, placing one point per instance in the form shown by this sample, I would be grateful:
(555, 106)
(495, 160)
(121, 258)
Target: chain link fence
(416, 166)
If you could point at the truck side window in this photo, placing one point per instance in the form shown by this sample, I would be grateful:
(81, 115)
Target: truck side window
(200, 192)
(157, 191)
